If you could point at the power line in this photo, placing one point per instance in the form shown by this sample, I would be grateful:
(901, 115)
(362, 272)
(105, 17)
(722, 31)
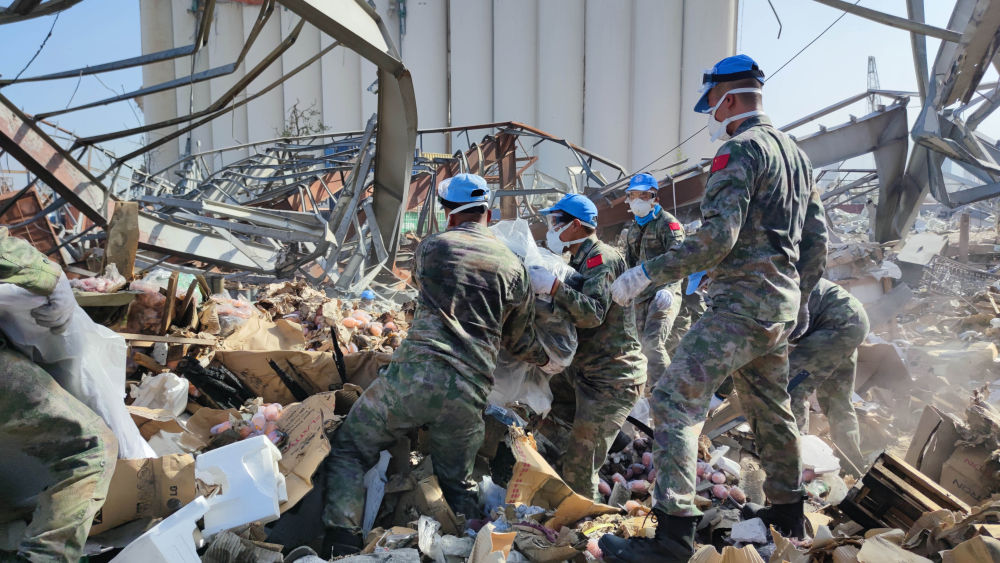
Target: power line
(40, 47)
(800, 51)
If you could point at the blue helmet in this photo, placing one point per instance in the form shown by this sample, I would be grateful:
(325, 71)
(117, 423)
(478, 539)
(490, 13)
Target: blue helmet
(578, 206)
(464, 188)
(643, 182)
(368, 294)
(737, 67)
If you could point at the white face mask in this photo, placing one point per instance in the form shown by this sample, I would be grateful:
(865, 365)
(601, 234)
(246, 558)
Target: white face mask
(640, 207)
(462, 208)
(557, 245)
(717, 129)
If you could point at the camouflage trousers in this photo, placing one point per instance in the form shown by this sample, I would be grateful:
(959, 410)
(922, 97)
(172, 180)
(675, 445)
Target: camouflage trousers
(756, 354)
(830, 355)
(61, 438)
(655, 325)
(407, 397)
(600, 411)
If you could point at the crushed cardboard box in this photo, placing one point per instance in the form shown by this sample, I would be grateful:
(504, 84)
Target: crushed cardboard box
(146, 488)
(535, 483)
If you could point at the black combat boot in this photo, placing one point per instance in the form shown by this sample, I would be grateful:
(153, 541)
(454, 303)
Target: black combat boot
(673, 542)
(341, 541)
(788, 519)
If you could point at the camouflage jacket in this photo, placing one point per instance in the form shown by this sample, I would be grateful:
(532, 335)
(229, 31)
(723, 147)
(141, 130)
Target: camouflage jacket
(21, 264)
(608, 348)
(651, 240)
(474, 297)
(755, 212)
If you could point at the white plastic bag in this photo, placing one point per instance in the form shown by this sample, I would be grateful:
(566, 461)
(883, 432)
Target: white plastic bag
(88, 360)
(161, 391)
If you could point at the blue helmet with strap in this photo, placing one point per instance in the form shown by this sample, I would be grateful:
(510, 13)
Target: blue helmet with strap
(737, 67)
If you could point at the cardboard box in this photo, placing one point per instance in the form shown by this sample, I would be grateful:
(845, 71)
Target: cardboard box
(969, 475)
(965, 472)
(933, 442)
(146, 488)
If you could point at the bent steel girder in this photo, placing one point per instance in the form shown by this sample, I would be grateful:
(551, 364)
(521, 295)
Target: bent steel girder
(23, 140)
(358, 26)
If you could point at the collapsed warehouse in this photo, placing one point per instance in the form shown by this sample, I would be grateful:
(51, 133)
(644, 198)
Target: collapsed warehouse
(263, 296)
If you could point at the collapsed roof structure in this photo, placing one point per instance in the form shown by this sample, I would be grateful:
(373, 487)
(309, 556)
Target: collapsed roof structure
(330, 207)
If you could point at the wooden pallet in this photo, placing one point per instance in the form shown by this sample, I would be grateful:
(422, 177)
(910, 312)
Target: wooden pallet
(894, 494)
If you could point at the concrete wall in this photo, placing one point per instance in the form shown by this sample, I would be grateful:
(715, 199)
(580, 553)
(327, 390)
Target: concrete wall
(617, 76)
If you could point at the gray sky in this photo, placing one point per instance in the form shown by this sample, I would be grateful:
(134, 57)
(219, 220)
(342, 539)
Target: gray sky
(832, 69)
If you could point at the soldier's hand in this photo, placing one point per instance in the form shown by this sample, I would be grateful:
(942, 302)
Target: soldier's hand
(56, 313)
(629, 285)
(801, 324)
(664, 299)
(543, 281)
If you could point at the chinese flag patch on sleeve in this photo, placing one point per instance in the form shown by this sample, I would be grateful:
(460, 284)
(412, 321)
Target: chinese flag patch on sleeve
(674, 226)
(595, 261)
(720, 162)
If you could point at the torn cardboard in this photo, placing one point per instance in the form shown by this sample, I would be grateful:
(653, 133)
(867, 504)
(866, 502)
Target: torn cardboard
(306, 424)
(535, 483)
(258, 333)
(491, 546)
(146, 488)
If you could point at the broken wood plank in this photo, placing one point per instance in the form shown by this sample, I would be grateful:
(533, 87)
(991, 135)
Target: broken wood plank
(148, 362)
(123, 238)
(168, 307)
(140, 338)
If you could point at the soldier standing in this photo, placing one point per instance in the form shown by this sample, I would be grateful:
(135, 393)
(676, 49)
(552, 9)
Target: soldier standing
(40, 420)
(754, 219)
(474, 296)
(655, 231)
(607, 371)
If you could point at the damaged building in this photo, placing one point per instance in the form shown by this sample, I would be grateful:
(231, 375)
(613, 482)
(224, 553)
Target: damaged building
(243, 261)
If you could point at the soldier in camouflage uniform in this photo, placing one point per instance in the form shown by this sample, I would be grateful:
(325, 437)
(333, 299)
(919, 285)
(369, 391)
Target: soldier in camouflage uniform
(474, 295)
(825, 360)
(828, 353)
(655, 231)
(759, 211)
(41, 421)
(608, 369)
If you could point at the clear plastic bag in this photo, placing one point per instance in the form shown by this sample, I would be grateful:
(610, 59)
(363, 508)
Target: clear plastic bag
(517, 381)
(88, 360)
(109, 282)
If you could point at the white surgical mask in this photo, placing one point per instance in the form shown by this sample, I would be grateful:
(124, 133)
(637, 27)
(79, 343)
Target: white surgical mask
(640, 207)
(555, 244)
(717, 129)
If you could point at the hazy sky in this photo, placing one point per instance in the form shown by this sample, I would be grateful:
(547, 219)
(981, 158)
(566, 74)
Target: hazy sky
(832, 69)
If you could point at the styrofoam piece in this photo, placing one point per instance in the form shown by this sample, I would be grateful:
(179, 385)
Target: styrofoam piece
(729, 466)
(717, 454)
(175, 540)
(816, 455)
(251, 482)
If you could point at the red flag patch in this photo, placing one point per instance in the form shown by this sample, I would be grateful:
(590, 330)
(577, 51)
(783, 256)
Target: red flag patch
(720, 162)
(595, 261)
(674, 226)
